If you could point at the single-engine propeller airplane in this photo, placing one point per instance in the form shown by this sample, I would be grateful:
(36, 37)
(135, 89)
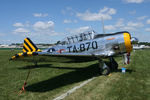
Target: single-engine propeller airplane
(86, 44)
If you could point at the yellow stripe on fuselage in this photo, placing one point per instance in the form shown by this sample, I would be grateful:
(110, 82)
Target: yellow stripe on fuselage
(127, 41)
(26, 47)
(33, 48)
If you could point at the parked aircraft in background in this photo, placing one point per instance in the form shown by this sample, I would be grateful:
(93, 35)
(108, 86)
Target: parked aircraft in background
(140, 47)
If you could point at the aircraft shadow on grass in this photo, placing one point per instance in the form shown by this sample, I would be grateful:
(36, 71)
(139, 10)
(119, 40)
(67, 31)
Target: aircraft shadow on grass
(61, 59)
(77, 75)
(65, 79)
(48, 66)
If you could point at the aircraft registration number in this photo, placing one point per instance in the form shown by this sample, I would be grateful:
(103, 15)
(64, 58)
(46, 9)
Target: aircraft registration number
(83, 47)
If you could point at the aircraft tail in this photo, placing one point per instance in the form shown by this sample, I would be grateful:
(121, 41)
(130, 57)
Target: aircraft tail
(29, 46)
(29, 49)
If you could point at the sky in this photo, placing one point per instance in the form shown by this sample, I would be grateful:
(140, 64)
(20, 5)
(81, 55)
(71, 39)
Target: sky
(47, 21)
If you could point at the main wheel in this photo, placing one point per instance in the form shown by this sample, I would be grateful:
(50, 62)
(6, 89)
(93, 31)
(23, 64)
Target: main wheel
(105, 71)
(103, 68)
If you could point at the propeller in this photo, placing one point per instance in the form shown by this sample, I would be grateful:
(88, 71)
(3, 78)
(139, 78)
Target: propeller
(126, 56)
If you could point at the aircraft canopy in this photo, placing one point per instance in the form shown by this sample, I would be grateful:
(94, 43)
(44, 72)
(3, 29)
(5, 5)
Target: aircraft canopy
(78, 38)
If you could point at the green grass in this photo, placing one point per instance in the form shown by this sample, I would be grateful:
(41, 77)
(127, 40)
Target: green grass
(133, 85)
(51, 79)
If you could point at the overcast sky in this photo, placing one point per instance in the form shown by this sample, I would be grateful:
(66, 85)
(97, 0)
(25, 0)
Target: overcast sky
(47, 21)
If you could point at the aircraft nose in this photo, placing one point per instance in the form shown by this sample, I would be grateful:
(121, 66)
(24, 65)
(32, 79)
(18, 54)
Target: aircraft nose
(134, 40)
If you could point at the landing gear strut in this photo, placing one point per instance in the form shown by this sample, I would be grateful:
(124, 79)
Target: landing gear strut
(113, 64)
(104, 69)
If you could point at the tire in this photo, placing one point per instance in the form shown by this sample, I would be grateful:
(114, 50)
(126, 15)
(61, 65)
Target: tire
(105, 71)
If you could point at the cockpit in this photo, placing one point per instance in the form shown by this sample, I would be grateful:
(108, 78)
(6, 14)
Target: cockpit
(78, 38)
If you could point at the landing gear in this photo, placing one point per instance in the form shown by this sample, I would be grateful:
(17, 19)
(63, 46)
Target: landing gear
(103, 68)
(113, 64)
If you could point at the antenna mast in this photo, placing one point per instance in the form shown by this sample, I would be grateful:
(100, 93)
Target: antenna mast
(103, 25)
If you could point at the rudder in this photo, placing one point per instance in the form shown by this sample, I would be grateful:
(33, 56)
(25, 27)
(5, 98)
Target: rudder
(29, 46)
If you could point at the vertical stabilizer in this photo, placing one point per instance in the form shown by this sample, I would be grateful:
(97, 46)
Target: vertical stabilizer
(29, 46)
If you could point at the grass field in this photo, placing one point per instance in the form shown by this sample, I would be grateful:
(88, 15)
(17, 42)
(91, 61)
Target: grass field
(51, 79)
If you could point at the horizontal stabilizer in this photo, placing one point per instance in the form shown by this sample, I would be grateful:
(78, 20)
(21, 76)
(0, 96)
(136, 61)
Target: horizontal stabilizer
(21, 55)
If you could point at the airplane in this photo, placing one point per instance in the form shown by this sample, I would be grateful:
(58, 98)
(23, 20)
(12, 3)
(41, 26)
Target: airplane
(87, 45)
(140, 47)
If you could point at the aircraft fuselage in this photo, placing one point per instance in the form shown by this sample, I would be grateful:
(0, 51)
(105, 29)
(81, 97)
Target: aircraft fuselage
(108, 45)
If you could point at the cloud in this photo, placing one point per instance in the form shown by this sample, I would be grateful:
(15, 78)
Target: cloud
(68, 8)
(135, 24)
(121, 25)
(132, 12)
(105, 13)
(18, 24)
(2, 34)
(148, 21)
(20, 30)
(128, 28)
(63, 12)
(75, 21)
(78, 30)
(67, 21)
(5, 42)
(44, 29)
(68, 11)
(147, 29)
(39, 31)
(41, 26)
(132, 26)
(133, 1)
(142, 17)
(40, 15)
(110, 27)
